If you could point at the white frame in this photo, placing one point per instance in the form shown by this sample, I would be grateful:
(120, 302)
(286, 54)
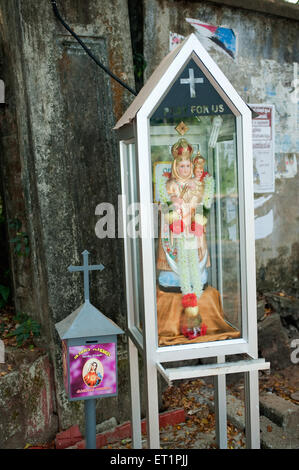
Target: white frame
(248, 342)
(133, 331)
(147, 342)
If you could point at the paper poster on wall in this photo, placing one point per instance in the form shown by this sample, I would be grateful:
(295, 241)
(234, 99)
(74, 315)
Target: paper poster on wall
(264, 225)
(220, 37)
(174, 40)
(263, 141)
(286, 165)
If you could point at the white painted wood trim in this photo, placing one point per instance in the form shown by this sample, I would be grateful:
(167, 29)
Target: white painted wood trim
(206, 370)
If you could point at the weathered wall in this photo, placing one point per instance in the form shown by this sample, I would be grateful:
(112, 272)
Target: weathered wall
(27, 400)
(264, 70)
(60, 160)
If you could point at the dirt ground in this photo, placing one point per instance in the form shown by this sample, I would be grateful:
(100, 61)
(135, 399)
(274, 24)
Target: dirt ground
(199, 427)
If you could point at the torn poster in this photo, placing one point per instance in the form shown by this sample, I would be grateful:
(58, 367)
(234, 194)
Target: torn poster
(222, 38)
(174, 40)
(264, 225)
(286, 165)
(263, 140)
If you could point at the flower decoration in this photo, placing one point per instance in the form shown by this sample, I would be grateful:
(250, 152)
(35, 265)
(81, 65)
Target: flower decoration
(189, 300)
(192, 333)
(171, 216)
(188, 264)
(200, 219)
(196, 229)
(177, 227)
(163, 195)
(208, 191)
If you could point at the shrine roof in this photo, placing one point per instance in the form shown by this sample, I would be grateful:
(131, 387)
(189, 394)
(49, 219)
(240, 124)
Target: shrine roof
(137, 103)
(86, 321)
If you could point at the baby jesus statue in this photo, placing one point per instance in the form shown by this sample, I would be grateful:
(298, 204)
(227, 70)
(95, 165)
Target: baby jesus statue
(183, 239)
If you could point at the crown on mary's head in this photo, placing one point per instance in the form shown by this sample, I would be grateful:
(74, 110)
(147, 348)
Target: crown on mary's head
(182, 148)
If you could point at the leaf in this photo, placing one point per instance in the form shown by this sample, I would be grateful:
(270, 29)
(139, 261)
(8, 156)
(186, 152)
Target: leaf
(4, 291)
(14, 240)
(269, 428)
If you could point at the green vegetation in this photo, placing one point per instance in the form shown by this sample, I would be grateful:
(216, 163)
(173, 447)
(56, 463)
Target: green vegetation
(20, 240)
(26, 328)
(20, 327)
(4, 274)
(4, 295)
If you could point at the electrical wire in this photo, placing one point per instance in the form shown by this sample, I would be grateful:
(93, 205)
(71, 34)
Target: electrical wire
(58, 16)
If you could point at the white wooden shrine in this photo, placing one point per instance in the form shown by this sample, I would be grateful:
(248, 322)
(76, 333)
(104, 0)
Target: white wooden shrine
(188, 224)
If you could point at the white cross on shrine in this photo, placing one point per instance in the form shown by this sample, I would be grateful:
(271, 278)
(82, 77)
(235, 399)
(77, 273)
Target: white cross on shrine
(191, 82)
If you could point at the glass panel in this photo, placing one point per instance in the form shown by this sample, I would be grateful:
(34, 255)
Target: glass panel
(226, 217)
(133, 234)
(195, 184)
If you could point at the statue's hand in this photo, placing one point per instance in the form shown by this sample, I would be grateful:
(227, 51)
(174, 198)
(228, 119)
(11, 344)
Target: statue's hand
(177, 202)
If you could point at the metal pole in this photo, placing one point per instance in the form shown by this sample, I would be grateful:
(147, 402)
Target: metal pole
(152, 411)
(220, 407)
(135, 396)
(252, 415)
(90, 423)
(86, 274)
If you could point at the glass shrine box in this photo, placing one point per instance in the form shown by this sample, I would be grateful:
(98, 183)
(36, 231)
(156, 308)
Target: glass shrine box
(188, 228)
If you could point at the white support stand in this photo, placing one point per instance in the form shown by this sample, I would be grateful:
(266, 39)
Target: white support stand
(135, 396)
(220, 407)
(152, 409)
(252, 428)
(136, 131)
(217, 370)
(152, 402)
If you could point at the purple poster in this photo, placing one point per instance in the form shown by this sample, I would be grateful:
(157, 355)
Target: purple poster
(92, 370)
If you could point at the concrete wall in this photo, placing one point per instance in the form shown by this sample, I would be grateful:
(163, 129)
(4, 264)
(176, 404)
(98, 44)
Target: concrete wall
(27, 400)
(60, 160)
(265, 70)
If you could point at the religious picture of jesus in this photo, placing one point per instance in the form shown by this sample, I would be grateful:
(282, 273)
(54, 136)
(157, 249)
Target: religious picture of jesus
(93, 372)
